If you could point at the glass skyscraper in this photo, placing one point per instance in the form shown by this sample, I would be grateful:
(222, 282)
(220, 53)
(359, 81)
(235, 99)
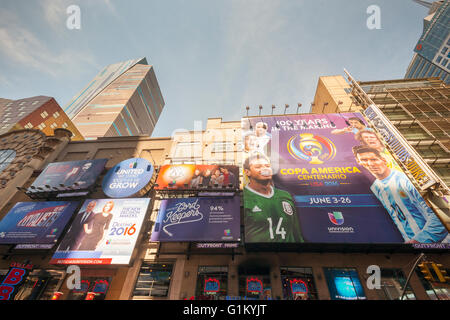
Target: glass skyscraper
(432, 51)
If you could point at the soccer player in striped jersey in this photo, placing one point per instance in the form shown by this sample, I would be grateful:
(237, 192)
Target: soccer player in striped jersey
(412, 216)
(269, 213)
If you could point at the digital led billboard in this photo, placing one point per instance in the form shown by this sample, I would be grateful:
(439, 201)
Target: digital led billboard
(103, 232)
(325, 179)
(197, 176)
(36, 224)
(198, 219)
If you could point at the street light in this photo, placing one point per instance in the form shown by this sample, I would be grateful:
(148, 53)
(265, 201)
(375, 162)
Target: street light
(260, 108)
(285, 108)
(299, 105)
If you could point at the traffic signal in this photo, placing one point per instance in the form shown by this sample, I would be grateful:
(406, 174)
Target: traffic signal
(424, 268)
(440, 272)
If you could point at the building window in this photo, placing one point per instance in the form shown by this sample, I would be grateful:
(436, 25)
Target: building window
(188, 150)
(344, 284)
(42, 126)
(39, 285)
(35, 102)
(65, 125)
(6, 157)
(97, 285)
(56, 115)
(153, 280)
(222, 147)
(298, 283)
(212, 283)
(392, 284)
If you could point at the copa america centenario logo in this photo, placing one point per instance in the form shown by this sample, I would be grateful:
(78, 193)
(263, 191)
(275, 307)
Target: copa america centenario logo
(312, 148)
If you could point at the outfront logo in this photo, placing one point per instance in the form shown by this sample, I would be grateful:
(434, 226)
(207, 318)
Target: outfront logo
(336, 217)
(312, 148)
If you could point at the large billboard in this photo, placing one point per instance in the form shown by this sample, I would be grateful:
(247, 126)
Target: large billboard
(36, 224)
(420, 171)
(128, 178)
(198, 219)
(197, 176)
(327, 178)
(77, 175)
(103, 232)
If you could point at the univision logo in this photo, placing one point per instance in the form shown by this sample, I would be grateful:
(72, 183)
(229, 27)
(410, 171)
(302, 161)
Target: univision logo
(336, 218)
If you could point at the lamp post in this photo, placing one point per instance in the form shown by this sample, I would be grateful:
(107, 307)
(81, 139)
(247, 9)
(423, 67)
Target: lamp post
(285, 108)
(260, 108)
(299, 105)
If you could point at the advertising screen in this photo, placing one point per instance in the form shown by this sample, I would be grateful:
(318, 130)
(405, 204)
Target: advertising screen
(198, 219)
(197, 176)
(79, 175)
(326, 178)
(103, 232)
(127, 178)
(344, 284)
(37, 224)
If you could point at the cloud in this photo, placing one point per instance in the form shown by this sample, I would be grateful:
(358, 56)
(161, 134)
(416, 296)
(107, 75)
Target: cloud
(21, 46)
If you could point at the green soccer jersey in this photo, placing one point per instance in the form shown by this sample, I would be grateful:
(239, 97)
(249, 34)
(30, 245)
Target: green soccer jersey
(270, 218)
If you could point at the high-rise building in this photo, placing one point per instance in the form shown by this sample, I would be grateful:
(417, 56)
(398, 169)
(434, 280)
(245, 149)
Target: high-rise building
(124, 99)
(432, 51)
(40, 112)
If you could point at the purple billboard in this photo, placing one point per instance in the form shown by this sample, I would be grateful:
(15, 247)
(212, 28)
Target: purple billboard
(327, 178)
(198, 219)
(36, 224)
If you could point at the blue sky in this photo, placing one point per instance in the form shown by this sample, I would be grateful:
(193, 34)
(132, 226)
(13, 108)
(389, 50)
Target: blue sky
(211, 57)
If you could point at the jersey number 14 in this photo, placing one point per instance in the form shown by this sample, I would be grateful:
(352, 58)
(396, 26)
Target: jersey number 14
(278, 231)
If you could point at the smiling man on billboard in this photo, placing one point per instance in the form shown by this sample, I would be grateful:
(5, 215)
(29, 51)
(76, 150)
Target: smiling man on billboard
(412, 216)
(270, 214)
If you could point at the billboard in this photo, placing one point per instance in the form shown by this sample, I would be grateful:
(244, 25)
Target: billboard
(420, 171)
(103, 232)
(325, 179)
(128, 178)
(78, 175)
(36, 224)
(195, 176)
(198, 219)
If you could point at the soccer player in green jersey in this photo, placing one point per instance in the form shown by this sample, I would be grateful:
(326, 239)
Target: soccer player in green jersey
(269, 213)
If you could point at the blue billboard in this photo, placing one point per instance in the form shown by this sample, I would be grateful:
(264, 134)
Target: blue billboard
(128, 178)
(198, 219)
(36, 223)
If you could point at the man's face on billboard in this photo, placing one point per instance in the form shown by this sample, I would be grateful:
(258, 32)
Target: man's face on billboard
(372, 162)
(260, 170)
(91, 206)
(372, 140)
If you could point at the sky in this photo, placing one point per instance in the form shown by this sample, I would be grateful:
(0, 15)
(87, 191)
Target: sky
(211, 58)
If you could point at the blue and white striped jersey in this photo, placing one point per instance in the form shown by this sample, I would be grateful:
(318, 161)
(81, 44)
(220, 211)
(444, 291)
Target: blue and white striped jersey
(412, 216)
